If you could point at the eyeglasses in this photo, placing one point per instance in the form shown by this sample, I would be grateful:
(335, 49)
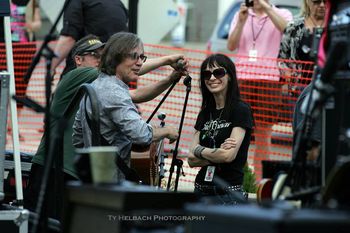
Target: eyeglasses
(94, 54)
(136, 56)
(318, 2)
(218, 73)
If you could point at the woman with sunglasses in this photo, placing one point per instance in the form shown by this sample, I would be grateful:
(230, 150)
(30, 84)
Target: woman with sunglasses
(297, 40)
(222, 131)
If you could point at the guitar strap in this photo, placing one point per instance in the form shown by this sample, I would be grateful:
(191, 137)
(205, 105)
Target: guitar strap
(129, 173)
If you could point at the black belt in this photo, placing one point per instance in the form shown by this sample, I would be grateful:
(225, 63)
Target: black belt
(213, 190)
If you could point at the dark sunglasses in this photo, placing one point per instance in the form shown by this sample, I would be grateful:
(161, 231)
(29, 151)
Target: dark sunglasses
(218, 73)
(136, 56)
(94, 54)
(318, 2)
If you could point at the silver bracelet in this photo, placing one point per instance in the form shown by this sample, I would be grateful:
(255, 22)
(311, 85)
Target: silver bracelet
(198, 151)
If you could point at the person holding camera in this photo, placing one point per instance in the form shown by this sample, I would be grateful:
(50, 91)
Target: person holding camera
(255, 34)
(255, 26)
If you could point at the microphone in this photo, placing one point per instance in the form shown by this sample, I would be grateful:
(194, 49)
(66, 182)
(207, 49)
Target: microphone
(322, 87)
(187, 81)
(180, 64)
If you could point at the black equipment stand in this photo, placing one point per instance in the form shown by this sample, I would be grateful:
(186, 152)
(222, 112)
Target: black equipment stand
(296, 178)
(46, 52)
(336, 140)
(336, 110)
(332, 84)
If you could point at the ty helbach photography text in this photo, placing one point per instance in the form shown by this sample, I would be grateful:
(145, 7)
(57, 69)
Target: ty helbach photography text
(154, 218)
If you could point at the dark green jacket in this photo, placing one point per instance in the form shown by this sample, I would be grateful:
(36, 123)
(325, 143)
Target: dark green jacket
(64, 93)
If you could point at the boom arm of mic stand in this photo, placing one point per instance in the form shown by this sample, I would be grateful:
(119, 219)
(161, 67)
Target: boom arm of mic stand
(161, 101)
(175, 161)
(49, 37)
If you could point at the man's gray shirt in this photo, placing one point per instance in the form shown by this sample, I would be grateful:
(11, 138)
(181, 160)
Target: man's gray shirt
(120, 123)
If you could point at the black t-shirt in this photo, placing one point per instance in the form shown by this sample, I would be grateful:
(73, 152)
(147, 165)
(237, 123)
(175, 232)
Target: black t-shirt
(304, 55)
(305, 42)
(214, 128)
(102, 18)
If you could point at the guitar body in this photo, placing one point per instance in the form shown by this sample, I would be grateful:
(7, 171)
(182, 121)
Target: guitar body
(147, 161)
(145, 164)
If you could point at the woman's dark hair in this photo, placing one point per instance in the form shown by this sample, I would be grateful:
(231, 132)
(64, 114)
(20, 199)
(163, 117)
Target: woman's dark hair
(116, 49)
(232, 95)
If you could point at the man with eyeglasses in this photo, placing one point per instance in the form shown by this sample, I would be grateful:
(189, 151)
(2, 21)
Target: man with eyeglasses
(86, 54)
(121, 125)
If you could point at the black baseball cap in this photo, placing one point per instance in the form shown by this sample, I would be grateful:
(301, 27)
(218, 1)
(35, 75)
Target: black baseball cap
(88, 46)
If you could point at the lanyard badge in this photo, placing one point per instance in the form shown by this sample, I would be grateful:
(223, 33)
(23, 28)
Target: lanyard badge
(253, 53)
(209, 175)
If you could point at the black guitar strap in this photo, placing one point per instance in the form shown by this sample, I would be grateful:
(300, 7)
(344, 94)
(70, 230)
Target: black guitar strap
(129, 173)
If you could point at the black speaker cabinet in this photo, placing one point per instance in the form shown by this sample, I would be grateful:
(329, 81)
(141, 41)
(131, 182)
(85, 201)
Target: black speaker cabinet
(121, 208)
(254, 219)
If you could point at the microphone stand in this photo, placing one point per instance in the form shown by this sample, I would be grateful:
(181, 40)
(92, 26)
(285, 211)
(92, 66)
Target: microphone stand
(175, 161)
(162, 101)
(45, 51)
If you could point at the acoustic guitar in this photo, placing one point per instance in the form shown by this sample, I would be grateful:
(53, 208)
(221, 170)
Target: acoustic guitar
(149, 162)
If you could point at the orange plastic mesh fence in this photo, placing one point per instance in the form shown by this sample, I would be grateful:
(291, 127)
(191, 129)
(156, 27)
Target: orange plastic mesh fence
(269, 85)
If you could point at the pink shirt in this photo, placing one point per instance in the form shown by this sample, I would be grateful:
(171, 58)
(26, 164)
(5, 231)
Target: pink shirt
(18, 28)
(267, 43)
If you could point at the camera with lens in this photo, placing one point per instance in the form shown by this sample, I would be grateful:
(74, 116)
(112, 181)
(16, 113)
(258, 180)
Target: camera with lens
(249, 3)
